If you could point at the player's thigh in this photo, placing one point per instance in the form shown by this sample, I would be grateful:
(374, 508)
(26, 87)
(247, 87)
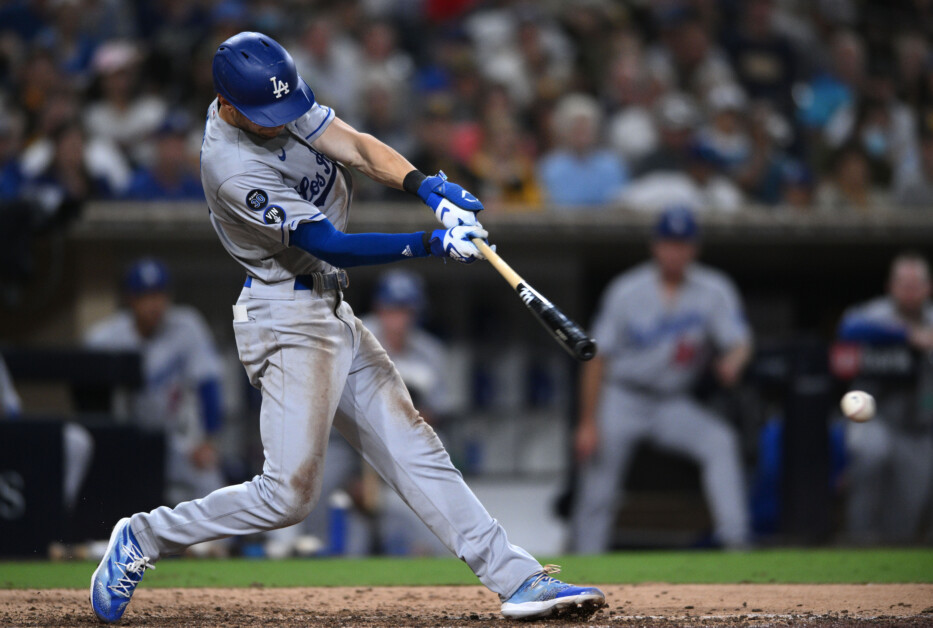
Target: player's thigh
(376, 411)
(870, 444)
(301, 377)
(684, 426)
(623, 417)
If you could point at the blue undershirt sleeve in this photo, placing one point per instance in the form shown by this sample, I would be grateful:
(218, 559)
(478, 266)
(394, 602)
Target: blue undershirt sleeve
(209, 395)
(343, 250)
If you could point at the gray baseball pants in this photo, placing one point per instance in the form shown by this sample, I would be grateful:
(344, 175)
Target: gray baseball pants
(675, 423)
(890, 481)
(316, 365)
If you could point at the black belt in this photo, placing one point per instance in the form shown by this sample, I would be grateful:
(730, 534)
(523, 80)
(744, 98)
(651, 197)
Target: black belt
(338, 280)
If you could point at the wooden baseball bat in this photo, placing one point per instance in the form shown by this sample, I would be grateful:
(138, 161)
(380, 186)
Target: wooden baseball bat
(568, 333)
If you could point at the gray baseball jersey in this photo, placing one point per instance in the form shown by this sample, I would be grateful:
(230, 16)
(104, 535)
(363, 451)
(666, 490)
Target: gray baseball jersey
(317, 365)
(662, 347)
(258, 191)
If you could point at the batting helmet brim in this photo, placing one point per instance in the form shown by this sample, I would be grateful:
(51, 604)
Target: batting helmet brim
(281, 112)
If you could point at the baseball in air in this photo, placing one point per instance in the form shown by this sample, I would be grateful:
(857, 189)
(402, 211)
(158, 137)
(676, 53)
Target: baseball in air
(858, 405)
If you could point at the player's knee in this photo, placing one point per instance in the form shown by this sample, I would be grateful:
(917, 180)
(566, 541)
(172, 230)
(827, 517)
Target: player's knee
(721, 440)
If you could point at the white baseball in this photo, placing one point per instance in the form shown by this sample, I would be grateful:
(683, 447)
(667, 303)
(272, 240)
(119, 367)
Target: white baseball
(858, 405)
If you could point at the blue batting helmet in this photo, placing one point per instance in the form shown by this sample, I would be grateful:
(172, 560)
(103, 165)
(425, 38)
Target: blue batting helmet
(258, 77)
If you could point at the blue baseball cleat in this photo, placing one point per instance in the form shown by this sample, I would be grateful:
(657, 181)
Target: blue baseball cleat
(544, 596)
(119, 572)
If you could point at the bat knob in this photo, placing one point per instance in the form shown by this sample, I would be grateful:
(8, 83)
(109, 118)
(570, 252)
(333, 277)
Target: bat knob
(585, 349)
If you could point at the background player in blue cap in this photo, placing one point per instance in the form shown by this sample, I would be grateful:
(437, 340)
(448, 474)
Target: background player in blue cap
(658, 326)
(273, 165)
(181, 373)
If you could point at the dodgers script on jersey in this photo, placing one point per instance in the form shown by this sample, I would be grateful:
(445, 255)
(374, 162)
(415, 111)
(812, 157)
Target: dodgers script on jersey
(258, 191)
(653, 345)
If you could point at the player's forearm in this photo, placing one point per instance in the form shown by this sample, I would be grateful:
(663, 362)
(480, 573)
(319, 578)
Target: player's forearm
(381, 162)
(739, 355)
(591, 381)
(346, 250)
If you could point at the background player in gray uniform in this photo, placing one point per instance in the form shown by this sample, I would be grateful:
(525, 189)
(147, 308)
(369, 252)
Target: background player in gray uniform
(657, 326)
(890, 458)
(278, 200)
(181, 372)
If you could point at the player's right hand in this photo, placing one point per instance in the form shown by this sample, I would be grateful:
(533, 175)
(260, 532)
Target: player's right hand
(455, 243)
(453, 206)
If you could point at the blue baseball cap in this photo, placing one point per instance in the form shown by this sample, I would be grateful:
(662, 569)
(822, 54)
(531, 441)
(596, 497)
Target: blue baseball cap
(400, 288)
(677, 223)
(146, 275)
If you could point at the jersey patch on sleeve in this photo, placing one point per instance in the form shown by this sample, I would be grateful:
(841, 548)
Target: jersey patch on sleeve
(274, 215)
(257, 199)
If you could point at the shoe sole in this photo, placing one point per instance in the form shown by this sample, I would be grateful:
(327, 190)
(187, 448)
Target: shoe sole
(577, 607)
(113, 539)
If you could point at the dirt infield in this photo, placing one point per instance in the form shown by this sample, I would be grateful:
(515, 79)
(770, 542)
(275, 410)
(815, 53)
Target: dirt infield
(629, 605)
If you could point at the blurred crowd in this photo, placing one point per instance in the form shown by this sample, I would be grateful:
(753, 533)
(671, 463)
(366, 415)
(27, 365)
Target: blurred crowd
(824, 105)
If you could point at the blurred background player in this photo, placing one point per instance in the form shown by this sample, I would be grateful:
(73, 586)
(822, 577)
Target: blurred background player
(181, 373)
(890, 466)
(657, 326)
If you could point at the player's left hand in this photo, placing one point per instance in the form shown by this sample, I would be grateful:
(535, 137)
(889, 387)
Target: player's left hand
(204, 456)
(455, 243)
(453, 206)
(728, 370)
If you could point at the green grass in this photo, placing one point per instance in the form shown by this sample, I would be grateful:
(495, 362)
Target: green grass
(779, 566)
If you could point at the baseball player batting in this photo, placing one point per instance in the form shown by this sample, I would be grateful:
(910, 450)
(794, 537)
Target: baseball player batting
(272, 165)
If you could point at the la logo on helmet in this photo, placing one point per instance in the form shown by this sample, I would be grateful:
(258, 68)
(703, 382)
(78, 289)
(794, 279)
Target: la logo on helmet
(279, 88)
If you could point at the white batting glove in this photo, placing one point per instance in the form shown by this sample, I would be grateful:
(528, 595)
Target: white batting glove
(455, 243)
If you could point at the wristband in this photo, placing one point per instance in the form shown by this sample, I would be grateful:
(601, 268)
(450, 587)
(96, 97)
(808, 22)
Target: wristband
(413, 181)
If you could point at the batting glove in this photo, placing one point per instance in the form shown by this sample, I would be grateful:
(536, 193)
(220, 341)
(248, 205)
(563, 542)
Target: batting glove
(453, 206)
(455, 243)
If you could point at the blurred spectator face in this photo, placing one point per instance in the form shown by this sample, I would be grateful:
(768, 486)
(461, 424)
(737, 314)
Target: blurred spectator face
(171, 155)
(911, 57)
(676, 119)
(758, 17)
(379, 41)
(379, 105)
(673, 257)
(581, 133)
(909, 285)
(118, 85)
(576, 121)
(69, 152)
(691, 44)
(148, 311)
(317, 38)
(848, 58)
(437, 134)
(852, 171)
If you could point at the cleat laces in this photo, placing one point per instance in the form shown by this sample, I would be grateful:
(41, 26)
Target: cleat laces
(545, 576)
(132, 571)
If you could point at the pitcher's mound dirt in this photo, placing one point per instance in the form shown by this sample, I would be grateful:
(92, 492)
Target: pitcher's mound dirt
(628, 605)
